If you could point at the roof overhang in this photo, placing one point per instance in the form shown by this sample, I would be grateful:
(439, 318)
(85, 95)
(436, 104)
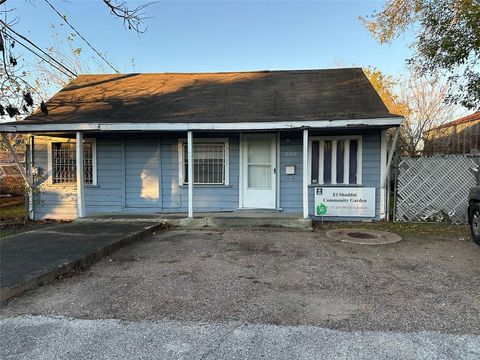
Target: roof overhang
(226, 126)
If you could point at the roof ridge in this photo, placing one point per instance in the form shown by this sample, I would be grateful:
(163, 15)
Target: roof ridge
(300, 71)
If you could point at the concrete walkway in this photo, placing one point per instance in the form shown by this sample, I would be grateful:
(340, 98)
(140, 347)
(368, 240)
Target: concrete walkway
(38, 256)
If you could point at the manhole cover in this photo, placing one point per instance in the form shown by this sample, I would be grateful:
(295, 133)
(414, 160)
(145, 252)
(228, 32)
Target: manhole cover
(361, 235)
(364, 237)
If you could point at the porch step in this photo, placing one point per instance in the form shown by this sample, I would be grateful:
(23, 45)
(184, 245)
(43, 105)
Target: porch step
(247, 222)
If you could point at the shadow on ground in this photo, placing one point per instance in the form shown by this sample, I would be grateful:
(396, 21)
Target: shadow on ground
(275, 277)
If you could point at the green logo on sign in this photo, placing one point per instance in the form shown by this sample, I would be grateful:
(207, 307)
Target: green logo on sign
(321, 209)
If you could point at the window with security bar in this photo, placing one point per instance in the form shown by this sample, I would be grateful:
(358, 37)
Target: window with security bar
(64, 162)
(210, 160)
(336, 161)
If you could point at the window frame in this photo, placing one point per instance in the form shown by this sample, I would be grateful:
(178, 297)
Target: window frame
(334, 140)
(181, 156)
(92, 141)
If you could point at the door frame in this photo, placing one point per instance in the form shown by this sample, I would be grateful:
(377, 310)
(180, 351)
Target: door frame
(242, 173)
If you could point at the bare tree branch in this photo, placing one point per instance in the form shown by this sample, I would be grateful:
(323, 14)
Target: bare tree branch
(132, 18)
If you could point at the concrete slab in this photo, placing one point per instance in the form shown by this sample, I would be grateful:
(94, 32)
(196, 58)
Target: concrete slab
(38, 256)
(226, 219)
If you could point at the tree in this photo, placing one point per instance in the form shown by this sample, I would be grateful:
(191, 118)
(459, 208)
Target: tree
(419, 99)
(424, 107)
(447, 43)
(19, 89)
(385, 86)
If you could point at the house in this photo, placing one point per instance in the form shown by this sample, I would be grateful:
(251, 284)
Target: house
(11, 179)
(310, 143)
(461, 136)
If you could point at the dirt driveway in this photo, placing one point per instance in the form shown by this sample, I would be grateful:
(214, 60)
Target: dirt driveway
(275, 277)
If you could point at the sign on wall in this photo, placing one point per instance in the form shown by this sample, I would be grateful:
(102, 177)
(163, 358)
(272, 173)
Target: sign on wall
(345, 201)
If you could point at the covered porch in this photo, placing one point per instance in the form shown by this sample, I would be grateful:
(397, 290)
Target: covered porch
(85, 165)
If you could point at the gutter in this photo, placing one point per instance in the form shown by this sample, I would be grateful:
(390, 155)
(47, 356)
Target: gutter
(231, 126)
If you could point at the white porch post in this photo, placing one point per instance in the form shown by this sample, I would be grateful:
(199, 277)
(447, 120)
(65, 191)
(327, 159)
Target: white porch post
(305, 174)
(80, 176)
(190, 173)
(383, 174)
(31, 149)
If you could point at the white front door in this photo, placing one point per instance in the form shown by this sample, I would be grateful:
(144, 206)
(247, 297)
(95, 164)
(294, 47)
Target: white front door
(259, 171)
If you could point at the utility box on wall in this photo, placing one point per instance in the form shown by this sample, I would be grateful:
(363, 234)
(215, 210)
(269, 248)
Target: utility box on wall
(290, 169)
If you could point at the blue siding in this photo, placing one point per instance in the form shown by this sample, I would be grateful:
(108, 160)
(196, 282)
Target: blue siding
(291, 194)
(108, 195)
(56, 202)
(122, 161)
(206, 197)
(291, 148)
(370, 173)
(142, 172)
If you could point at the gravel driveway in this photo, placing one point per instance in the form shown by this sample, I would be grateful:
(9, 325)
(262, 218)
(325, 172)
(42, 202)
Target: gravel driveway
(277, 278)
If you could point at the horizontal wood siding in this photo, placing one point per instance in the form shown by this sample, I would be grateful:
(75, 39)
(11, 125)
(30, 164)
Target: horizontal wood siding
(51, 201)
(107, 196)
(122, 159)
(291, 185)
(205, 197)
(142, 172)
(291, 150)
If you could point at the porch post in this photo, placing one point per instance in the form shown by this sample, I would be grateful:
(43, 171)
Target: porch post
(80, 176)
(383, 172)
(305, 174)
(31, 149)
(190, 173)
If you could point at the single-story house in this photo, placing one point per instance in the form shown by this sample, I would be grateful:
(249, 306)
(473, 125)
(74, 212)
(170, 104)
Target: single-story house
(310, 143)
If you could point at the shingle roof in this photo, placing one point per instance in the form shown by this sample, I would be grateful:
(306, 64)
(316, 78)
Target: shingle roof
(215, 97)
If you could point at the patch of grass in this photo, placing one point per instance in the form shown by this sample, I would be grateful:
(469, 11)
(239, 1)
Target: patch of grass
(12, 212)
(9, 229)
(443, 230)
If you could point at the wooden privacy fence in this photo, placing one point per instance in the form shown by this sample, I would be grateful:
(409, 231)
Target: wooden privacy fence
(435, 188)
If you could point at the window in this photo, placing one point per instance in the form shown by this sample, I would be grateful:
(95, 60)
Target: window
(336, 160)
(210, 162)
(64, 162)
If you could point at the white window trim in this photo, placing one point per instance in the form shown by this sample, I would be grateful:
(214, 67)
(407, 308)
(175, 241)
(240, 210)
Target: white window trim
(181, 155)
(51, 141)
(321, 155)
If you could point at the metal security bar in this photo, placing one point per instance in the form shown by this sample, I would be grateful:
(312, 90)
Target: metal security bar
(208, 163)
(64, 163)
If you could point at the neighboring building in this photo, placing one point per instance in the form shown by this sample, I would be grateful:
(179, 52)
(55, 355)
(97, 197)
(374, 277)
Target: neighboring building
(461, 136)
(306, 143)
(11, 178)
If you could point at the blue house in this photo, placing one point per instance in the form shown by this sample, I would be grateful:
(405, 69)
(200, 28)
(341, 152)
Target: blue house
(310, 143)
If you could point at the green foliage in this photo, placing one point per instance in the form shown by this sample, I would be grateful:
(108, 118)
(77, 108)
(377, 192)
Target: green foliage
(448, 40)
